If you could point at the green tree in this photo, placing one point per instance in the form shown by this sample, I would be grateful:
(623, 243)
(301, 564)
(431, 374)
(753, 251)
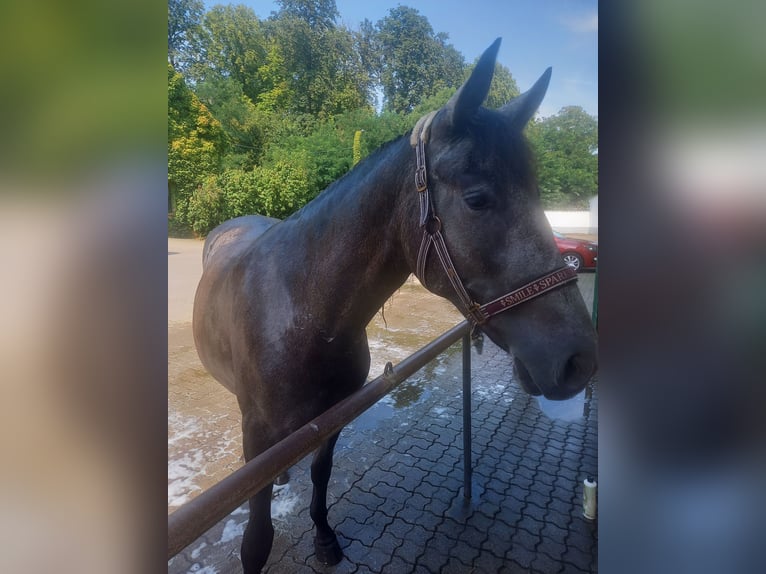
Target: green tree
(325, 155)
(378, 128)
(320, 68)
(277, 92)
(247, 127)
(282, 188)
(318, 14)
(235, 47)
(415, 63)
(566, 146)
(184, 21)
(195, 145)
(503, 88)
(357, 146)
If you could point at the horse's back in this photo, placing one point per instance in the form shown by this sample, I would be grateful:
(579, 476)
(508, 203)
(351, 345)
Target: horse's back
(234, 234)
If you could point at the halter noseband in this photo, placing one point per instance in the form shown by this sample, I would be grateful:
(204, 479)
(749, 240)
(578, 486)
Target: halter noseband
(432, 236)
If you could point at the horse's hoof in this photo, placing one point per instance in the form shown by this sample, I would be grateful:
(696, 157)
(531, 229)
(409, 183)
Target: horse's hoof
(328, 553)
(282, 479)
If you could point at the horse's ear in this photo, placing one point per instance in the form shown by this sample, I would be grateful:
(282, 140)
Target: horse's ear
(521, 108)
(465, 103)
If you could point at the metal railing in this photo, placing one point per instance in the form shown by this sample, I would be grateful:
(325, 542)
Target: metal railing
(194, 518)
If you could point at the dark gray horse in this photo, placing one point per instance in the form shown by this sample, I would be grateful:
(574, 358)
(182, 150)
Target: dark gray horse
(281, 309)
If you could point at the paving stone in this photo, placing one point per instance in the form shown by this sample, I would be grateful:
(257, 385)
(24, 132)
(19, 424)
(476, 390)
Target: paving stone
(455, 565)
(555, 549)
(375, 559)
(535, 504)
(414, 545)
(576, 557)
(465, 552)
(545, 564)
(487, 563)
(397, 564)
(559, 507)
(560, 519)
(512, 567)
(525, 538)
(521, 555)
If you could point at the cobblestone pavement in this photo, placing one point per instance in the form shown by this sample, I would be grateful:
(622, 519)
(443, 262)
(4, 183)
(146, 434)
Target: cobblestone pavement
(396, 493)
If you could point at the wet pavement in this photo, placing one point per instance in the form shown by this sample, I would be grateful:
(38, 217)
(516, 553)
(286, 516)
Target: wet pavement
(396, 493)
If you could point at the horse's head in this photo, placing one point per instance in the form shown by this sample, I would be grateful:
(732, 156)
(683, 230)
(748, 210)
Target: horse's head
(484, 193)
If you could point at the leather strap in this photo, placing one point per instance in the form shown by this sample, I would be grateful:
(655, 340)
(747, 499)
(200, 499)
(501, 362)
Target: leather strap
(529, 291)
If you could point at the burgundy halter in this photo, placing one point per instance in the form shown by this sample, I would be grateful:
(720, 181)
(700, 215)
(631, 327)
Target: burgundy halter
(478, 314)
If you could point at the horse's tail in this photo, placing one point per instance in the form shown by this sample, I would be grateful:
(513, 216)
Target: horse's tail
(247, 227)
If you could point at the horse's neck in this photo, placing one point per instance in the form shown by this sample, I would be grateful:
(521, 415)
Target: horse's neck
(354, 235)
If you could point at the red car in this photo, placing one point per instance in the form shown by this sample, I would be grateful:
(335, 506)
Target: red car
(578, 253)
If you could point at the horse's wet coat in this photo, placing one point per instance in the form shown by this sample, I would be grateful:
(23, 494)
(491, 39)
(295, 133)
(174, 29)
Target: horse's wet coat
(281, 309)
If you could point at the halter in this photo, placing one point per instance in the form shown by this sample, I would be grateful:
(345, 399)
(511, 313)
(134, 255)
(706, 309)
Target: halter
(432, 236)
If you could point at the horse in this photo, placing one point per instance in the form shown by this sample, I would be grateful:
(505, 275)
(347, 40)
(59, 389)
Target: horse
(282, 306)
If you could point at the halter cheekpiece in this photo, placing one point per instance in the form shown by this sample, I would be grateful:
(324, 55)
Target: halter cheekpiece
(432, 236)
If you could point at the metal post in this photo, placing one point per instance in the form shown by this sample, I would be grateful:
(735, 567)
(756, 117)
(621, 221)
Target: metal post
(594, 315)
(467, 463)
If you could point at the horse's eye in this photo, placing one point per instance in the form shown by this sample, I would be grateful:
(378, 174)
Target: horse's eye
(477, 200)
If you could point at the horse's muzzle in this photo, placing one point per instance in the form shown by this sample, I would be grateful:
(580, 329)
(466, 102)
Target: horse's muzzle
(562, 382)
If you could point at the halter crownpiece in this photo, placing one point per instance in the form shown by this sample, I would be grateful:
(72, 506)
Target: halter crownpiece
(432, 236)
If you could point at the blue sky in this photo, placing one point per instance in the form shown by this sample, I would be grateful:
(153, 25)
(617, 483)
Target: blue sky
(536, 34)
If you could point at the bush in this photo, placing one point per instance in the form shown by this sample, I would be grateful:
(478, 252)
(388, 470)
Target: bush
(178, 228)
(207, 207)
(281, 189)
(277, 191)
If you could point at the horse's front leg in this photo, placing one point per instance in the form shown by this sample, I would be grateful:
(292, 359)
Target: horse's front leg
(326, 545)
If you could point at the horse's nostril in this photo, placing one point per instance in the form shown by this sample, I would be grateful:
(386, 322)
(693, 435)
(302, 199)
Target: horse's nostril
(571, 368)
(578, 370)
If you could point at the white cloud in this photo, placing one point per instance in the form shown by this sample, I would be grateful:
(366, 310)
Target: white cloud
(583, 24)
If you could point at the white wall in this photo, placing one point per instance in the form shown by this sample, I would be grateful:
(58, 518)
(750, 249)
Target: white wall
(576, 221)
(569, 221)
(594, 213)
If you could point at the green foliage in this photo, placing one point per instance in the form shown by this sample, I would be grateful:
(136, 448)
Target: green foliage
(277, 191)
(414, 62)
(320, 71)
(235, 47)
(357, 146)
(326, 154)
(207, 207)
(184, 20)
(247, 127)
(378, 129)
(283, 188)
(195, 144)
(266, 113)
(566, 146)
(319, 14)
(503, 88)
(431, 103)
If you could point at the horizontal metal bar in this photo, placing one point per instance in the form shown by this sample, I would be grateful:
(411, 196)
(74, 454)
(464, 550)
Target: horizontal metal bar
(195, 517)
